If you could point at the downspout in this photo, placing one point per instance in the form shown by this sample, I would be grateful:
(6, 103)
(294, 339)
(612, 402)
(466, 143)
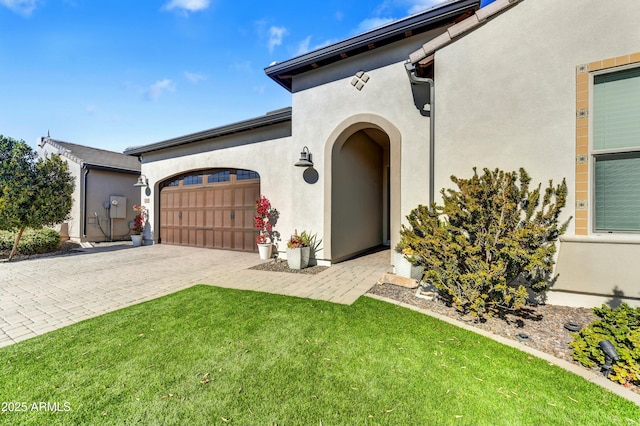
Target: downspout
(83, 195)
(411, 71)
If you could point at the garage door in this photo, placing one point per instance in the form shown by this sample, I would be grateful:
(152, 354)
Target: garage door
(212, 209)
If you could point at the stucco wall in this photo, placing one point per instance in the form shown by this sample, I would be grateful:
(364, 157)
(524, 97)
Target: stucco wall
(101, 185)
(357, 213)
(325, 101)
(506, 97)
(269, 152)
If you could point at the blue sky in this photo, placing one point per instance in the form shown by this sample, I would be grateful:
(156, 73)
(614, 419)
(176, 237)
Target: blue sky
(119, 73)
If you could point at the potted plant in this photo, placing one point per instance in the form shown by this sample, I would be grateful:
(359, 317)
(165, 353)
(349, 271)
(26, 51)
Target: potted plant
(403, 263)
(264, 220)
(138, 225)
(299, 250)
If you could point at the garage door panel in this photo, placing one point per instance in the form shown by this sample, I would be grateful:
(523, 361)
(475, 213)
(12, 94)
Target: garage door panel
(226, 219)
(238, 240)
(216, 215)
(217, 239)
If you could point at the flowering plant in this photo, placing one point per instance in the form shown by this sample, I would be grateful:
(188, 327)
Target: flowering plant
(139, 220)
(298, 241)
(264, 220)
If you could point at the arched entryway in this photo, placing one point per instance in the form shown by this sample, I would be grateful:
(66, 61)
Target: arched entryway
(363, 187)
(210, 208)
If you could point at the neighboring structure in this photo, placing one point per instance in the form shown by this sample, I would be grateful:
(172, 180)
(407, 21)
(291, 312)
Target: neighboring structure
(390, 115)
(104, 194)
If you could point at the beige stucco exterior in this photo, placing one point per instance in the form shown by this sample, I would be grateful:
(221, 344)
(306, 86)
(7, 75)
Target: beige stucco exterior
(95, 185)
(505, 97)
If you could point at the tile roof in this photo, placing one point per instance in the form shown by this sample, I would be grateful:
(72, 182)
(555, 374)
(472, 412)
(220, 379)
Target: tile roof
(480, 17)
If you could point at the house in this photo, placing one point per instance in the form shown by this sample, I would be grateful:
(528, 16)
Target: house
(104, 193)
(389, 115)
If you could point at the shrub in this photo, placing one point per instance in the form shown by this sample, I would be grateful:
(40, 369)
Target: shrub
(33, 241)
(491, 237)
(621, 326)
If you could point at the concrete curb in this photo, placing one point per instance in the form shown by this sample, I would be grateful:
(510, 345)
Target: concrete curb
(572, 368)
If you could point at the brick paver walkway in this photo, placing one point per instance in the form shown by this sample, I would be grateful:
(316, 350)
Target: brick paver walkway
(44, 294)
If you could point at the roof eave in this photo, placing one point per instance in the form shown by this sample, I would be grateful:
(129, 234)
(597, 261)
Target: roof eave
(375, 37)
(269, 119)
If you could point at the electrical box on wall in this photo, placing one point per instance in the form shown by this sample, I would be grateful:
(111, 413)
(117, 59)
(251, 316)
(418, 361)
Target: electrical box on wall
(118, 209)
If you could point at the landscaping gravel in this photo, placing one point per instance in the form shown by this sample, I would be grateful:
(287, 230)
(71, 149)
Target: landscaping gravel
(280, 265)
(543, 324)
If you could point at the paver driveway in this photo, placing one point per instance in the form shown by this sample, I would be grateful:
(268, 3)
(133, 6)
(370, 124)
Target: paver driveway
(43, 294)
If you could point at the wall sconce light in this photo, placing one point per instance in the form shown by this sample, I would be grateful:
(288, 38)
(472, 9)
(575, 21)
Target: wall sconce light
(142, 181)
(305, 158)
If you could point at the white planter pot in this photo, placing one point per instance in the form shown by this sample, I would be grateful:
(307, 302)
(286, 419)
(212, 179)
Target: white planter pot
(298, 258)
(265, 251)
(403, 268)
(136, 240)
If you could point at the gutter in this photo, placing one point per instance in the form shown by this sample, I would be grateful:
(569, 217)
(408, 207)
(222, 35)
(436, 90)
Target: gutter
(271, 118)
(83, 196)
(411, 71)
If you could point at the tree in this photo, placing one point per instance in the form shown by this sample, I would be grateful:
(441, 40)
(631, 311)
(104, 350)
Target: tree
(491, 237)
(33, 192)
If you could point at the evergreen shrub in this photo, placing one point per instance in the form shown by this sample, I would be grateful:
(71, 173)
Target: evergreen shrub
(33, 241)
(492, 237)
(621, 326)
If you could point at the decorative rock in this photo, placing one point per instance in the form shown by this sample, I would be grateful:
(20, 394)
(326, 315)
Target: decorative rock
(401, 281)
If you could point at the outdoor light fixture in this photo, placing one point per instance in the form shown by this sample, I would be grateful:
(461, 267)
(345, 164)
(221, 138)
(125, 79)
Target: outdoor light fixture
(610, 355)
(305, 158)
(142, 181)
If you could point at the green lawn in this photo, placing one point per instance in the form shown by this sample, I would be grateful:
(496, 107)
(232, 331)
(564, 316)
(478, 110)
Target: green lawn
(208, 355)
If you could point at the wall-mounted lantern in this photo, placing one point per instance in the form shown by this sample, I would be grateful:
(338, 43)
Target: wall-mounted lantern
(305, 158)
(142, 181)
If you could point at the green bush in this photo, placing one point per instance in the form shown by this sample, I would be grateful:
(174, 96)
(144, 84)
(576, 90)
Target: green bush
(621, 326)
(33, 241)
(491, 237)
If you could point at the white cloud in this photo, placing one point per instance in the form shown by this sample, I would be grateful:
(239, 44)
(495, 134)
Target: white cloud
(187, 5)
(157, 89)
(276, 35)
(242, 66)
(194, 77)
(371, 23)
(304, 46)
(23, 7)
(420, 5)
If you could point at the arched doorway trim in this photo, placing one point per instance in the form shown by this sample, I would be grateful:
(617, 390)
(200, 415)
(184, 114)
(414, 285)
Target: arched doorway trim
(338, 137)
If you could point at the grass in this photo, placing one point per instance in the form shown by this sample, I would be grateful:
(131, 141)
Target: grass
(208, 355)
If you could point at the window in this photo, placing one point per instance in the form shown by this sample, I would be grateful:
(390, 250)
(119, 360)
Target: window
(219, 177)
(246, 174)
(192, 180)
(173, 183)
(616, 150)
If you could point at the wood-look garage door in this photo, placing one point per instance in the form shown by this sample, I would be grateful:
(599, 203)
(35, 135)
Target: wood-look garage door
(210, 209)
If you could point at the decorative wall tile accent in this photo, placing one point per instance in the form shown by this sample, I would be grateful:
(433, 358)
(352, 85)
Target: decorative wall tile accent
(581, 69)
(581, 205)
(582, 159)
(360, 80)
(582, 113)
